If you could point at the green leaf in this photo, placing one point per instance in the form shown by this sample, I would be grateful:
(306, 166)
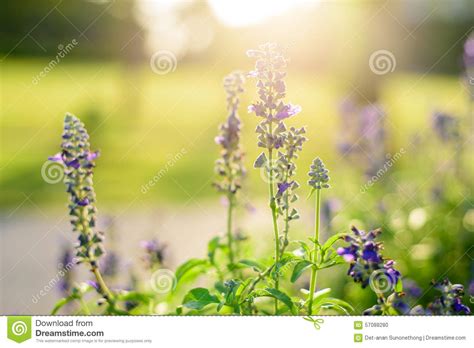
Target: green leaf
(399, 286)
(253, 264)
(280, 265)
(300, 267)
(135, 296)
(321, 295)
(182, 270)
(61, 303)
(304, 246)
(340, 305)
(199, 298)
(279, 295)
(332, 240)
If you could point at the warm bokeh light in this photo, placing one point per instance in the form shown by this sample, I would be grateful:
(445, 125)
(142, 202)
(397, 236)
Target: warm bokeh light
(239, 13)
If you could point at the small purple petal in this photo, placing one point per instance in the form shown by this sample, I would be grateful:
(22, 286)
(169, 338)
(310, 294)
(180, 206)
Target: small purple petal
(92, 155)
(56, 158)
(93, 284)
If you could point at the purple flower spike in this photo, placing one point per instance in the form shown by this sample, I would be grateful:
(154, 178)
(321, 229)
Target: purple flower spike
(363, 254)
(79, 161)
(229, 166)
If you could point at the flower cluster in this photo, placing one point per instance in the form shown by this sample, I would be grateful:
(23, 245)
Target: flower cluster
(363, 135)
(446, 127)
(230, 165)
(270, 73)
(450, 301)
(364, 256)
(154, 253)
(318, 174)
(78, 161)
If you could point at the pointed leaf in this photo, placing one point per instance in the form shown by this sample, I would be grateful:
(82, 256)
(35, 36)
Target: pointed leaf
(300, 267)
(199, 298)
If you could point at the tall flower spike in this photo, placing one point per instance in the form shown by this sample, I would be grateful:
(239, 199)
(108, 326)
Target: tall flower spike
(78, 161)
(270, 73)
(230, 166)
(271, 132)
(318, 174)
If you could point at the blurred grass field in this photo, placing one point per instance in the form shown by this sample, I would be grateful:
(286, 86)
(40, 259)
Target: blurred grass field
(140, 120)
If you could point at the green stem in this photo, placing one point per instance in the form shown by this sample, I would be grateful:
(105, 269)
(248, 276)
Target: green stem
(102, 286)
(312, 287)
(84, 306)
(229, 228)
(275, 223)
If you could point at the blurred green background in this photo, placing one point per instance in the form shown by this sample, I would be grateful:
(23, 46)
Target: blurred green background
(140, 120)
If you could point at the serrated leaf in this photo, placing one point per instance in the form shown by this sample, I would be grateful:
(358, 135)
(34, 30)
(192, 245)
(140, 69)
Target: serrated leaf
(300, 267)
(199, 298)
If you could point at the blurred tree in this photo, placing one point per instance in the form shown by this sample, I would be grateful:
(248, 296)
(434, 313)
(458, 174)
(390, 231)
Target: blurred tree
(37, 27)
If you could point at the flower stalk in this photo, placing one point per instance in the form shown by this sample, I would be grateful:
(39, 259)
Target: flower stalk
(318, 180)
(78, 162)
(229, 166)
(270, 73)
